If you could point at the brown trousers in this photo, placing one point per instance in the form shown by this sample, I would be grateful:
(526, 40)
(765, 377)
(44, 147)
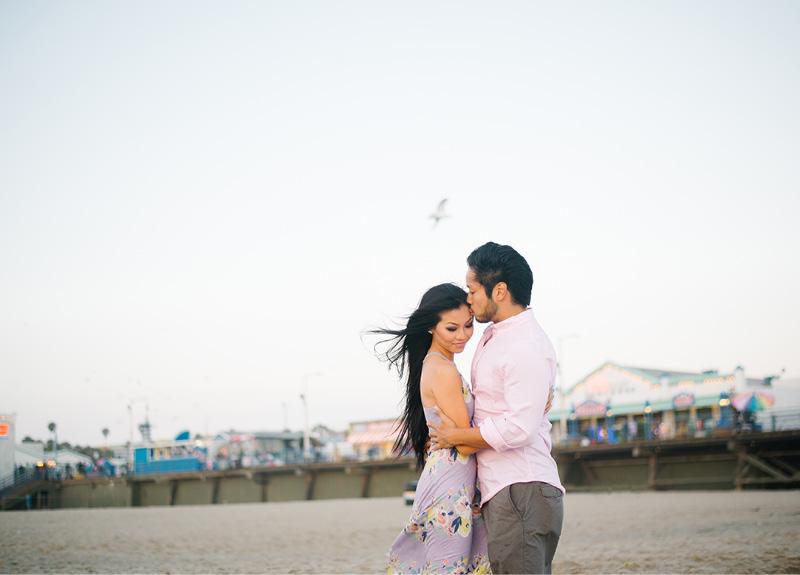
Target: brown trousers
(523, 523)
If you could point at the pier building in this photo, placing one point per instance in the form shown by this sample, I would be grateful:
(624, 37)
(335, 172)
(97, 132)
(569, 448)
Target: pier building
(618, 403)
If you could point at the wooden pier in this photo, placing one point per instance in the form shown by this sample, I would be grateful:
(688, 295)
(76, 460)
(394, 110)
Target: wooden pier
(722, 461)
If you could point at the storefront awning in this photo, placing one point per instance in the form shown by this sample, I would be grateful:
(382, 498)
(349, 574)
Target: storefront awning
(372, 437)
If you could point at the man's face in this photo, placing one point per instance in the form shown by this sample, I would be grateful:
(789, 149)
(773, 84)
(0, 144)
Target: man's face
(483, 308)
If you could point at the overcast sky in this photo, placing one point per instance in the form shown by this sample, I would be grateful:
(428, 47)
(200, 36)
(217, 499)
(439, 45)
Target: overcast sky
(204, 204)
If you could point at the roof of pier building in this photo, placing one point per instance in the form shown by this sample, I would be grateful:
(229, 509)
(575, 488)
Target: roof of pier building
(625, 389)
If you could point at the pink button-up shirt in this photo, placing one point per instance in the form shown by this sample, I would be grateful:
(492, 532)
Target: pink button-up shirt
(512, 372)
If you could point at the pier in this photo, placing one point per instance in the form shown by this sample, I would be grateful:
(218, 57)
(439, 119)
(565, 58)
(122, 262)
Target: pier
(727, 461)
(723, 461)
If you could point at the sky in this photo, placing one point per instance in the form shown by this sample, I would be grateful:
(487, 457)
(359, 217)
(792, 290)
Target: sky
(203, 205)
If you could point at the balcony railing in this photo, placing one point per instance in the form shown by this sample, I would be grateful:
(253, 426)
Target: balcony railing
(736, 423)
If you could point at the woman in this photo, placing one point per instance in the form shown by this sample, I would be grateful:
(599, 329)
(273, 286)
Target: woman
(446, 533)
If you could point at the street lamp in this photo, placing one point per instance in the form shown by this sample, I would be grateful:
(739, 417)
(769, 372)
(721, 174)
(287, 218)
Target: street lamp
(724, 410)
(609, 423)
(52, 427)
(573, 424)
(648, 421)
(130, 445)
(306, 429)
(562, 390)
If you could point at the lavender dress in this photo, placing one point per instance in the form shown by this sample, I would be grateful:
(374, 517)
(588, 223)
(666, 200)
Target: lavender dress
(446, 533)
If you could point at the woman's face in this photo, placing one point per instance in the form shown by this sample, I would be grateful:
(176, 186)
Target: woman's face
(454, 330)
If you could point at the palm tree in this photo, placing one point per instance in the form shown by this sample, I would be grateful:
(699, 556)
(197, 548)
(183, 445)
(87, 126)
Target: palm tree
(105, 435)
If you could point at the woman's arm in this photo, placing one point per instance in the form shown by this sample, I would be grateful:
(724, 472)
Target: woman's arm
(447, 388)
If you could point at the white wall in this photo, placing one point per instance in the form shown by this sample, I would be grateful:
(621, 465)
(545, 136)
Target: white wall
(7, 445)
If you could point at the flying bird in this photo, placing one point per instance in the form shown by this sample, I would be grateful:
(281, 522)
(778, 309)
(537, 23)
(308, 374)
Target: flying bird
(439, 213)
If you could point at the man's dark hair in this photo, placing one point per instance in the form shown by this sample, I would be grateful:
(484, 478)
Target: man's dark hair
(494, 263)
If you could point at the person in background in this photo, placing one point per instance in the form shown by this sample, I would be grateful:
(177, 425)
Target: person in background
(632, 429)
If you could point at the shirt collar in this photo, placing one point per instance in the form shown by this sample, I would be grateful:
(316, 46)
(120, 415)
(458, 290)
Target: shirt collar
(510, 323)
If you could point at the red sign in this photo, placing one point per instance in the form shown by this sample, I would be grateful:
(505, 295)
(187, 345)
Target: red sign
(4, 430)
(683, 400)
(590, 409)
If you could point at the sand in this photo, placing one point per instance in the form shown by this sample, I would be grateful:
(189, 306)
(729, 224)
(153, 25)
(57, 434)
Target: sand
(647, 532)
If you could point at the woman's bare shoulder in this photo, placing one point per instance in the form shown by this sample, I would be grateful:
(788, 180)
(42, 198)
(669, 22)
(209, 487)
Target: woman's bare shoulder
(438, 371)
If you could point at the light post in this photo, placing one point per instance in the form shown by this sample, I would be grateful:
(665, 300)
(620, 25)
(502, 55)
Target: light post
(648, 421)
(562, 391)
(54, 430)
(130, 444)
(573, 424)
(306, 428)
(724, 410)
(609, 423)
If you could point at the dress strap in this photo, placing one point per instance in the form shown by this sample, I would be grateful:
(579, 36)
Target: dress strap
(440, 355)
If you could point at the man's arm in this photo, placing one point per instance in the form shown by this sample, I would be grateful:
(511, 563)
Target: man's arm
(526, 388)
(509, 430)
(445, 435)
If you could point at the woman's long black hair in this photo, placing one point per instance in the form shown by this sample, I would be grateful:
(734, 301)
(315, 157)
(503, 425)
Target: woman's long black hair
(406, 351)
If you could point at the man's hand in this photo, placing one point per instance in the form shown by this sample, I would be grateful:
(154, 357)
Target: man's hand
(440, 432)
(549, 401)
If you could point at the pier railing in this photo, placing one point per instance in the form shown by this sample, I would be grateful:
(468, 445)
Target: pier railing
(779, 420)
(15, 488)
(736, 423)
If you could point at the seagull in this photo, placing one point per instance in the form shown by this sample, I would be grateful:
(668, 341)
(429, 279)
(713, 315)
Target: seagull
(439, 213)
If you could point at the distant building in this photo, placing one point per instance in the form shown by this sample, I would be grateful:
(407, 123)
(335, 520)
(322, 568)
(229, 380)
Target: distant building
(374, 439)
(785, 414)
(8, 431)
(30, 454)
(334, 444)
(233, 448)
(69, 457)
(281, 447)
(169, 456)
(621, 403)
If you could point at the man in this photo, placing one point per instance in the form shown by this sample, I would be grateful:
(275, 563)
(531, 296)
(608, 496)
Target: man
(513, 373)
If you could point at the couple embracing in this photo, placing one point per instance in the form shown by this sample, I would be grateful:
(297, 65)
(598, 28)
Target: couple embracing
(497, 431)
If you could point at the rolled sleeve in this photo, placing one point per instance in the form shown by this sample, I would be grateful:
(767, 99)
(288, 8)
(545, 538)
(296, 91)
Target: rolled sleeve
(492, 435)
(527, 380)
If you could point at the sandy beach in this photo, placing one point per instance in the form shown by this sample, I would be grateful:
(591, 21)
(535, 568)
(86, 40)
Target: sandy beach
(646, 532)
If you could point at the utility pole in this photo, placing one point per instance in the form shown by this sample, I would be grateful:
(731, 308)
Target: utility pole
(130, 445)
(306, 428)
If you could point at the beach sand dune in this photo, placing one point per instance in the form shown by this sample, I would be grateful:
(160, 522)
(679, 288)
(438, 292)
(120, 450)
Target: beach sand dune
(647, 532)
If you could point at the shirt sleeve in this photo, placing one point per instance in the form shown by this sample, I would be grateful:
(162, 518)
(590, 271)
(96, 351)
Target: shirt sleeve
(527, 378)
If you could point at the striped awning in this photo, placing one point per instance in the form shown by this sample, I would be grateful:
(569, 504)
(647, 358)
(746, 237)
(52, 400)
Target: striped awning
(372, 437)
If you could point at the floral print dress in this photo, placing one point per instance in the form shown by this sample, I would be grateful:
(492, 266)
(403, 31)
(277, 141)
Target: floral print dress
(446, 533)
